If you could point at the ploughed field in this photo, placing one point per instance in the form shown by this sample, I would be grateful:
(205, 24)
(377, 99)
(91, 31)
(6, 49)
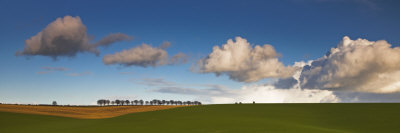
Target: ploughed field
(241, 118)
(82, 112)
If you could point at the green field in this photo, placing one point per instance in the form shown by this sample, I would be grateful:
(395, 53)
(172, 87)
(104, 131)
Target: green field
(245, 118)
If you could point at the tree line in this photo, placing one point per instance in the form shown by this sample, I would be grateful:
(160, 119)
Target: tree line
(105, 102)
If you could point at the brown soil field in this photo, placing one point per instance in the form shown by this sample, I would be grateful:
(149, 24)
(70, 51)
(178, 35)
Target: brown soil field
(81, 112)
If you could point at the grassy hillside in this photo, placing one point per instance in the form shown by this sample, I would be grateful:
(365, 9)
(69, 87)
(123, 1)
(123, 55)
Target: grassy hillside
(222, 118)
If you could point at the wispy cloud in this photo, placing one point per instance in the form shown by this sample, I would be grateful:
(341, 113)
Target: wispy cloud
(55, 68)
(125, 73)
(47, 69)
(44, 72)
(156, 82)
(78, 74)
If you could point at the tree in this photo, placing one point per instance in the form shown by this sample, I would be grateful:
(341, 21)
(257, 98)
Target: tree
(54, 103)
(99, 102)
(141, 102)
(118, 102)
(127, 102)
(136, 102)
(107, 102)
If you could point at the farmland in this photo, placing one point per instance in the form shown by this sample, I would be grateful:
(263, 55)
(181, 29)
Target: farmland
(340, 117)
(81, 112)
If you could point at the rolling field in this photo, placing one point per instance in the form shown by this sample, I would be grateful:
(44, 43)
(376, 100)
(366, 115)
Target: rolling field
(245, 118)
(81, 112)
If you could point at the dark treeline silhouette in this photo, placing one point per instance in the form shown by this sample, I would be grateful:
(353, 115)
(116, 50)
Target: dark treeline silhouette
(104, 102)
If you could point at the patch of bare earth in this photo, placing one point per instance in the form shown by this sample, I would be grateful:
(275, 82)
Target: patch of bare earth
(81, 112)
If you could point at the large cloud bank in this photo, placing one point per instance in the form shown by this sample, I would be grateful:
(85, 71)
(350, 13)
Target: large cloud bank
(356, 65)
(270, 94)
(144, 56)
(257, 93)
(66, 37)
(242, 62)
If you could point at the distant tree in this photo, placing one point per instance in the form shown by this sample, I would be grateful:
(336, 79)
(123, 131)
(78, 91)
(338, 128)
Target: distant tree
(147, 102)
(54, 103)
(127, 102)
(100, 102)
(154, 101)
(136, 102)
(107, 102)
(118, 102)
(141, 102)
(112, 102)
(254, 102)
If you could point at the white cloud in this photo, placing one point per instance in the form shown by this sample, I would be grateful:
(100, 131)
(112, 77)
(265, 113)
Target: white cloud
(250, 93)
(270, 94)
(144, 56)
(66, 37)
(356, 65)
(257, 93)
(241, 62)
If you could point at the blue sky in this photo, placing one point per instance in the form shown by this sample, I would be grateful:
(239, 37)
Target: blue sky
(297, 29)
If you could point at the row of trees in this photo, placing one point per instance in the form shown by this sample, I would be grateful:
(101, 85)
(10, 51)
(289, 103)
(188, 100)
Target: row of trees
(104, 102)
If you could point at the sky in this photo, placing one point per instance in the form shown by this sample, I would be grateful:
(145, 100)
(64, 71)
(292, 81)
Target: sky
(76, 52)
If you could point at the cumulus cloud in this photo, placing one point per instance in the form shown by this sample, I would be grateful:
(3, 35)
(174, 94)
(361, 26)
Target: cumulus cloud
(65, 37)
(242, 62)
(286, 83)
(144, 56)
(356, 65)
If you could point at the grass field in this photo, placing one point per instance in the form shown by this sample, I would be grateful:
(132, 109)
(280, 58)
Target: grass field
(245, 118)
